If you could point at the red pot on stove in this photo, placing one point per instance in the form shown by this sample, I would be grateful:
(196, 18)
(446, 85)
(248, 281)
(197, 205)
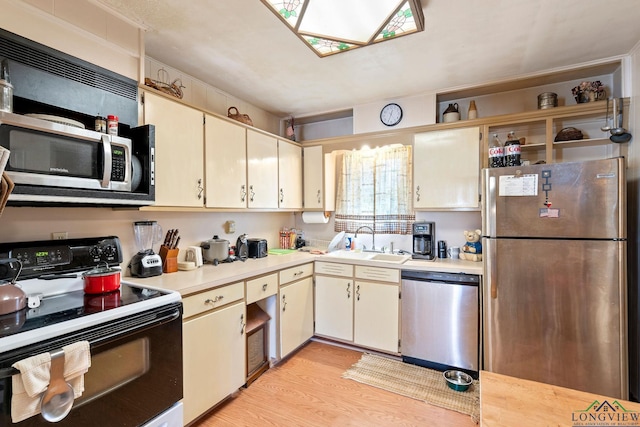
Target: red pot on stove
(101, 279)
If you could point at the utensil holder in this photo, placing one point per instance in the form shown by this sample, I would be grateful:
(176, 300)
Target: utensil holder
(169, 259)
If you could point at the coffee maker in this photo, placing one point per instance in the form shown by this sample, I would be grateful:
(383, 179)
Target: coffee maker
(424, 239)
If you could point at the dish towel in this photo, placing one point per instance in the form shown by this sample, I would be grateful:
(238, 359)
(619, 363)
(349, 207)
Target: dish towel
(33, 378)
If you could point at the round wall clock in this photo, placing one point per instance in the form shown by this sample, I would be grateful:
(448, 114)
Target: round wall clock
(391, 114)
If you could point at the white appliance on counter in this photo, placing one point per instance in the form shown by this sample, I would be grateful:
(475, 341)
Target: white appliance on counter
(555, 296)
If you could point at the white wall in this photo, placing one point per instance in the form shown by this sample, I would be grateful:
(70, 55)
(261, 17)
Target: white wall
(417, 111)
(27, 223)
(204, 96)
(94, 35)
(449, 227)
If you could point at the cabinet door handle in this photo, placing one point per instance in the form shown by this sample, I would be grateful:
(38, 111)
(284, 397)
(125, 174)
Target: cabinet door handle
(200, 189)
(418, 193)
(264, 287)
(348, 290)
(243, 324)
(284, 304)
(243, 193)
(251, 193)
(358, 292)
(281, 195)
(214, 300)
(319, 198)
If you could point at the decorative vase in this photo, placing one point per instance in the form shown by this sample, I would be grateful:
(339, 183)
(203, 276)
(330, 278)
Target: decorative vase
(473, 112)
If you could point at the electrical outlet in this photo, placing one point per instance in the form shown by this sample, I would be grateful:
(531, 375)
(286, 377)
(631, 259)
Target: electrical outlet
(59, 235)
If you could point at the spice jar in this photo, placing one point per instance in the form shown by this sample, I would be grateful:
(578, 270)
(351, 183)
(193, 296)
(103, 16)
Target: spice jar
(100, 124)
(112, 125)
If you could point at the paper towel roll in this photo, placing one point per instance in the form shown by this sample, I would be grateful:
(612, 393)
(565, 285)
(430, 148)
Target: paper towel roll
(315, 217)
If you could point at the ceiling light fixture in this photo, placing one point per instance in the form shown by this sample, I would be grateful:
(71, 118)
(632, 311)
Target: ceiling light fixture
(334, 26)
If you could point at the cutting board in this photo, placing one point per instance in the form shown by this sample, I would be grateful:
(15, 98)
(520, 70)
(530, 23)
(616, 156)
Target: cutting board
(281, 251)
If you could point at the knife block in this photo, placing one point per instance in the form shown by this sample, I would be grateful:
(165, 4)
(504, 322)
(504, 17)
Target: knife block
(169, 259)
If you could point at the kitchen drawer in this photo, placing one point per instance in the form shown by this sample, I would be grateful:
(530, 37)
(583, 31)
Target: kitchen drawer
(262, 287)
(334, 269)
(295, 273)
(378, 274)
(208, 300)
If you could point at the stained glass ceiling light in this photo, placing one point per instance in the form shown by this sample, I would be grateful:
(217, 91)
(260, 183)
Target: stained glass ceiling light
(334, 26)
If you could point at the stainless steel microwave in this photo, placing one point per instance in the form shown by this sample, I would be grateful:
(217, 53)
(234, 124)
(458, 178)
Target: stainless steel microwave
(57, 162)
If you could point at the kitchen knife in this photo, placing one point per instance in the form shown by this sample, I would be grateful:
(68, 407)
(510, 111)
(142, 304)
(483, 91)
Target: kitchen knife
(167, 238)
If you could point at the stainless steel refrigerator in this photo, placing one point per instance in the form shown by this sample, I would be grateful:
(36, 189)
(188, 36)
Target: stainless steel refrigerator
(554, 300)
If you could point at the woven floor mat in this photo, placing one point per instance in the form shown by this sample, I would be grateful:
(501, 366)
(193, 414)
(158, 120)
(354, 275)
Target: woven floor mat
(415, 382)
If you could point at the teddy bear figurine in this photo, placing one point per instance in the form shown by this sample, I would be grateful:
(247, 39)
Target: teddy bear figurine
(472, 250)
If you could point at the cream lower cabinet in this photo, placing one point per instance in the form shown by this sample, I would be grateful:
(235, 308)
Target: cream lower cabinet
(179, 163)
(334, 300)
(446, 169)
(364, 310)
(296, 307)
(377, 308)
(214, 348)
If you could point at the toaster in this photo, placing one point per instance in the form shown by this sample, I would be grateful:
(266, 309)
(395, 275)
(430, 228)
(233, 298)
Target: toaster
(257, 248)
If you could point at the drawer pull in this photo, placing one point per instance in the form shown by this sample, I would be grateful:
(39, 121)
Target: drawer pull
(298, 273)
(264, 287)
(215, 300)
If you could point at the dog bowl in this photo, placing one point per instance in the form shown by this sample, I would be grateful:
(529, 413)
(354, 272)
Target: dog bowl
(458, 380)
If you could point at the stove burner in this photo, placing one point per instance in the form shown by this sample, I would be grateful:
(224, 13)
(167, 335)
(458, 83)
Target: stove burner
(72, 305)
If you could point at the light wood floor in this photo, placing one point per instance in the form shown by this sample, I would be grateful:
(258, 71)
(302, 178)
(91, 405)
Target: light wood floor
(307, 390)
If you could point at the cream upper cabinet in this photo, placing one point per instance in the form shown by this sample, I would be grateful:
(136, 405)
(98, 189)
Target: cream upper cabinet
(289, 175)
(179, 163)
(319, 179)
(446, 169)
(226, 163)
(262, 170)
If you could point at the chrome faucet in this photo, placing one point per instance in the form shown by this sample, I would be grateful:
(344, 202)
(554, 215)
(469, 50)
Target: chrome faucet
(373, 236)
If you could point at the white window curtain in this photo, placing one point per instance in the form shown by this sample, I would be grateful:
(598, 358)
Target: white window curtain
(374, 189)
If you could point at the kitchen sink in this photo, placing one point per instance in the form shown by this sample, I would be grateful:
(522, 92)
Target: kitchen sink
(370, 256)
(397, 258)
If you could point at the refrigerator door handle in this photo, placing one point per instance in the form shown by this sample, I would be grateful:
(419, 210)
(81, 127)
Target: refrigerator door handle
(491, 260)
(489, 205)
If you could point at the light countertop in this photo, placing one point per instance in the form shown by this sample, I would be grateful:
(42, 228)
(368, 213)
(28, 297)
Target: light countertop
(209, 276)
(506, 402)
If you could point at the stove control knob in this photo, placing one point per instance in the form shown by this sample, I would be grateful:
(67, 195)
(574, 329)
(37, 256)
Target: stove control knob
(110, 250)
(95, 251)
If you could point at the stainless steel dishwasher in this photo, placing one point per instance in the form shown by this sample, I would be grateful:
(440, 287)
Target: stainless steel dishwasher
(440, 319)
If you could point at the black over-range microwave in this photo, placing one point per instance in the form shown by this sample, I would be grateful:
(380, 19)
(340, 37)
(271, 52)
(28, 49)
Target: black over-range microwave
(54, 163)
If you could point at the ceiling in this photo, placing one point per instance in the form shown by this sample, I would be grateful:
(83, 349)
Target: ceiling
(242, 48)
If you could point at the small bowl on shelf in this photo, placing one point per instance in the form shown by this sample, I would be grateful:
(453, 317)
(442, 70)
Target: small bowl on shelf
(457, 380)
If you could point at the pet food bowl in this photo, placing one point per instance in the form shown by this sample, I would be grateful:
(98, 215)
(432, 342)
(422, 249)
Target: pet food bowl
(458, 380)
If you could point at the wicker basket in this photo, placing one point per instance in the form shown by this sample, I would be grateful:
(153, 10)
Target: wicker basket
(243, 118)
(569, 134)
